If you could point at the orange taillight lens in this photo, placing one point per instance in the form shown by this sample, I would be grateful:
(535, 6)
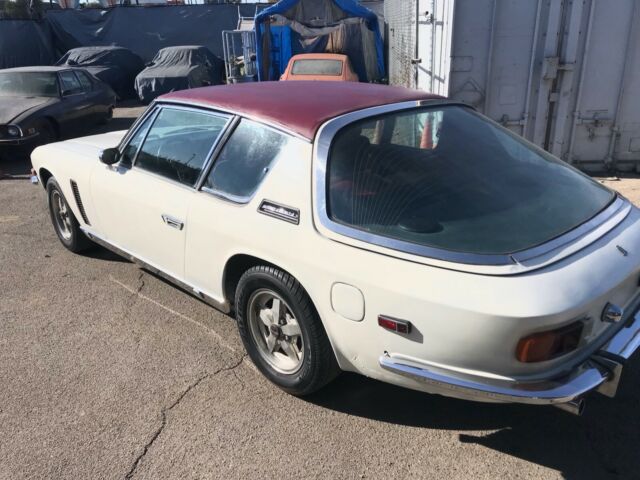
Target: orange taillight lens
(551, 344)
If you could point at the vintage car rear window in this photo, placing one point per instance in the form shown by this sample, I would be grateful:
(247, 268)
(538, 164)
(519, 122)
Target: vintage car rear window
(448, 178)
(317, 67)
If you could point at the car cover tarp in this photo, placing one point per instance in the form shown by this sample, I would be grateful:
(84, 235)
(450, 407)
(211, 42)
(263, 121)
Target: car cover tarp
(114, 65)
(145, 30)
(336, 26)
(24, 43)
(172, 70)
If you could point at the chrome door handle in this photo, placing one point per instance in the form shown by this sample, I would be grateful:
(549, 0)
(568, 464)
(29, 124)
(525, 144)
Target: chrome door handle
(173, 222)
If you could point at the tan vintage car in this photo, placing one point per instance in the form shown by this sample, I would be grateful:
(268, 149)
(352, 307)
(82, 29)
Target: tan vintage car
(327, 67)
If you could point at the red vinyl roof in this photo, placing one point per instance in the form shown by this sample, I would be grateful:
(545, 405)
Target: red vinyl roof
(299, 106)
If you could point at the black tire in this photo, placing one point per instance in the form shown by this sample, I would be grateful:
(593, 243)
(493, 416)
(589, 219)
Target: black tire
(73, 239)
(107, 117)
(319, 365)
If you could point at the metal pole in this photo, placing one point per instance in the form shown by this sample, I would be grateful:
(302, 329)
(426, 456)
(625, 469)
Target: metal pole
(417, 49)
(534, 43)
(615, 129)
(433, 44)
(585, 56)
(487, 81)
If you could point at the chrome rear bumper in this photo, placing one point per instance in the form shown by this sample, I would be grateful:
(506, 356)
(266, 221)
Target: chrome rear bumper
(601, 372)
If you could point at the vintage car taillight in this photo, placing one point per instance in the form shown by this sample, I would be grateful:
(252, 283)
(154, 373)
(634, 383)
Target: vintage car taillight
(542, 346)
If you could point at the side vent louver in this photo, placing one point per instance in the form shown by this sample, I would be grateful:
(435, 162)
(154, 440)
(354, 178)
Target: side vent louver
(76, 194)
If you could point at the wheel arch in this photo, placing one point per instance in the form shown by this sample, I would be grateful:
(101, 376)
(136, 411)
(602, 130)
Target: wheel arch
(44, 175)
(56, 126)
(239, 263)
(235, 267)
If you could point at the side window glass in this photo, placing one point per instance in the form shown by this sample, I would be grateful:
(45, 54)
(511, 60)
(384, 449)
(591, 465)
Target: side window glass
(245, 160)
(129, 152)
(179, 143)
(70, 83)
(84, 81)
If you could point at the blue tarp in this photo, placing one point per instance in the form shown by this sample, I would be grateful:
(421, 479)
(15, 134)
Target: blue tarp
(340, 11)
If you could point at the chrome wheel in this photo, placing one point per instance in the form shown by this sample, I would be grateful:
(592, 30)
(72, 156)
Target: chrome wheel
(61, 214)
(275, 331)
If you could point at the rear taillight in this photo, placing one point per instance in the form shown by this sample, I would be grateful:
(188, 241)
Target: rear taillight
(550, 344)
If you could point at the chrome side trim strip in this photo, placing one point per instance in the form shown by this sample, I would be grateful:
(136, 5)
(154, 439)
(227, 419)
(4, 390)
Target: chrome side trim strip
(601, 372)
(224, 306)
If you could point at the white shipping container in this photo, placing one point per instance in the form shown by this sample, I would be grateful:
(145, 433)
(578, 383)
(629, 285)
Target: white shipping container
(565, 74)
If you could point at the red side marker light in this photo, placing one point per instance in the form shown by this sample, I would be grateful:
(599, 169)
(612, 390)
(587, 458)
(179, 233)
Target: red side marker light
(394, 324)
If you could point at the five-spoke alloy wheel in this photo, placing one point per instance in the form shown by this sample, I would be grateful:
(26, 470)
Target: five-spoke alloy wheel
(64, 221)
(276, 331)
(282, 332)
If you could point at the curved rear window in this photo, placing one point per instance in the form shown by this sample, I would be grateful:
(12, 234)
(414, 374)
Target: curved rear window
(448, 178)
(317, 67)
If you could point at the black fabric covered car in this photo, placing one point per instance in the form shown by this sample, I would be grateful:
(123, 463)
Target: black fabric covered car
(39, 105)
(115, 66)
(179, 68)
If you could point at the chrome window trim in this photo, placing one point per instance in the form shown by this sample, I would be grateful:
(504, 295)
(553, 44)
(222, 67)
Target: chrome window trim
(229, 111)
(220, 143)
(322, 148)
(227, 196)
(135, 126)
(152, 119)
(157, 111)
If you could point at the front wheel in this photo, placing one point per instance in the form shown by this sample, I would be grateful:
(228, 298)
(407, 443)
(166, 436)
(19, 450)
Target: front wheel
(64, 221)
(282, 332)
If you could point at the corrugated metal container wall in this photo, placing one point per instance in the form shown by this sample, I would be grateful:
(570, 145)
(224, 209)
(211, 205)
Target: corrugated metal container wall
(563, 73)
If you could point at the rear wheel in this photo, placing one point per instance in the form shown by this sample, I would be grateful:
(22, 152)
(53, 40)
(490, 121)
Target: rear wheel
(64, 221)
(282, 332)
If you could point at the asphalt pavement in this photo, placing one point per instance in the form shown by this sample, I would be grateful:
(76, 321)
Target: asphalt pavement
(108, 372)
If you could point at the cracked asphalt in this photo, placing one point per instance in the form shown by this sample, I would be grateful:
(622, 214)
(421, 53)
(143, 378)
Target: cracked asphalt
(108, 372)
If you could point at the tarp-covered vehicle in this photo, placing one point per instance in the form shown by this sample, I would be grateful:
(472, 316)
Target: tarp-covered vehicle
(179, 68)
(293, 27)
(116, 66)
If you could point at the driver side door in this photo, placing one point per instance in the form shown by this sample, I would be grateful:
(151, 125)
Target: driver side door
(142, 202)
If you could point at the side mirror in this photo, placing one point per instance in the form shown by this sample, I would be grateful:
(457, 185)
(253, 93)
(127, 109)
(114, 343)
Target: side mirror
(110, 156)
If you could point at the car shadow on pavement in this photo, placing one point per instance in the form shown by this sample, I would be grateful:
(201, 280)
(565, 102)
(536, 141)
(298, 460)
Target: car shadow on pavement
(15, 166)
(603, 443)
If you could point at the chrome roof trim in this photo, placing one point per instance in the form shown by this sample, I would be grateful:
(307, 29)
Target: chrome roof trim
(229, 111)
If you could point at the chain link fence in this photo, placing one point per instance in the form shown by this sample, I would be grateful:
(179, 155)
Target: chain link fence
(400, 16)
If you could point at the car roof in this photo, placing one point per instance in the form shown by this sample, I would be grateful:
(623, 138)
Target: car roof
(36, 69)
(183, 47)
(99, 47)
(300, 107)
(319, 56)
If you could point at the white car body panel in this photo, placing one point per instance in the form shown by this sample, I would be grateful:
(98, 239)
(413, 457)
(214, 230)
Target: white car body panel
(464, 322)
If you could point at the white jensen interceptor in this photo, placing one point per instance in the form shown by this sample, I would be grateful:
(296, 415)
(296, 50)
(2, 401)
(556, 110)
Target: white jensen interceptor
(369, 229)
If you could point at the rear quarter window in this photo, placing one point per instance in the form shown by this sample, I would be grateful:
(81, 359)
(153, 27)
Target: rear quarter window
(245, 160)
